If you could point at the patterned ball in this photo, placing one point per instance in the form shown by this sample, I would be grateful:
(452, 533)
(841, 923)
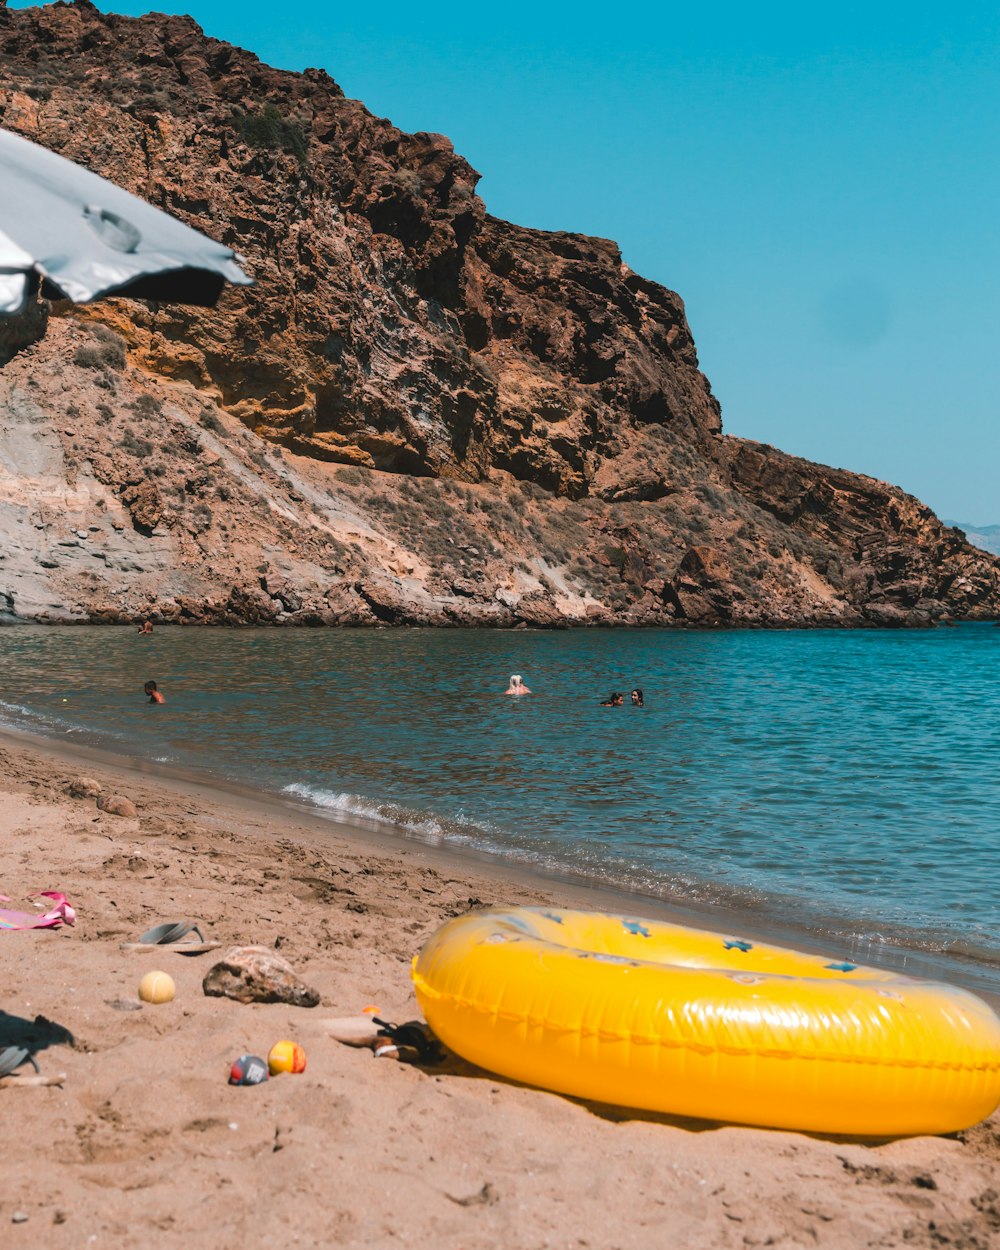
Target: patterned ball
(248, 1070)
(157, 987)
(286, 1057)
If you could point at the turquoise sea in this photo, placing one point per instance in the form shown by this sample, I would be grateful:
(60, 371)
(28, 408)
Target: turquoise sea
(841, 783)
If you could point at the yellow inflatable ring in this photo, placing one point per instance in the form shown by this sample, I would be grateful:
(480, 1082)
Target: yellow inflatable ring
(640, 1013)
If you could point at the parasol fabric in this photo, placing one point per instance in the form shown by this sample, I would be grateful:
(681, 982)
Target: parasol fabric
(74, 235)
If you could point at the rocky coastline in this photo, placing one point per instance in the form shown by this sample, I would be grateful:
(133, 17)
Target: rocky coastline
(420, 415)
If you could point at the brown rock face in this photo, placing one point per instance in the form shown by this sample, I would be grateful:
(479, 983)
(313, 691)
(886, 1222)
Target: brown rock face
(394, 324)
(522, 430)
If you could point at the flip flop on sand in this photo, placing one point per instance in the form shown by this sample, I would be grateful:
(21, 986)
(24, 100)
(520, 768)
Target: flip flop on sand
(385, 1039)
(168, 936)
(414, 1036)
(358, 1031)
(12, 1057)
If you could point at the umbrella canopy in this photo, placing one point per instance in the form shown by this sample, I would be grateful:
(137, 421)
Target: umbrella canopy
(77, 236)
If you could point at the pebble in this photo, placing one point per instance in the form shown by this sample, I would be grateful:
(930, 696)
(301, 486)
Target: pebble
(19, 1217)
(116, 805)
(84, 788)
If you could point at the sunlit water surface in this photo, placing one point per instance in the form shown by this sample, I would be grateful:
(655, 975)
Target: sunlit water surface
(841, 781)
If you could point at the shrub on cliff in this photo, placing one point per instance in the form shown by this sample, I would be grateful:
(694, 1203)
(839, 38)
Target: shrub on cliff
(269, 130)
(107, 351)
(210, 421)
(139, 447)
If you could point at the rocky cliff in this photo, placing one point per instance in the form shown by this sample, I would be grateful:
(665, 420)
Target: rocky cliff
(419, 413)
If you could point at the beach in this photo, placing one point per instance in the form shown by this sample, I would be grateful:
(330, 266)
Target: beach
(146, 1143)
(339, 450)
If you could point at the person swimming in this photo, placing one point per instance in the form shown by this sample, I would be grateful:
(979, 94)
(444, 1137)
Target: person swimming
(615, 699)
(516, 686)
(154, 694)
(636, 697)
(146, 627)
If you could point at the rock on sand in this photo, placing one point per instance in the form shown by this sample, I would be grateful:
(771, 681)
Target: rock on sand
(255, 974)
(116, 805)
(84, 788)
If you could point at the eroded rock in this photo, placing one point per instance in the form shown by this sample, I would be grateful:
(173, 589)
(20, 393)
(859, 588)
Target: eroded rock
(255, 974)
(474, 404)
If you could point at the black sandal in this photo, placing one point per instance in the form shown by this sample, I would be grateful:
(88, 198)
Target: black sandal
(414, 1036)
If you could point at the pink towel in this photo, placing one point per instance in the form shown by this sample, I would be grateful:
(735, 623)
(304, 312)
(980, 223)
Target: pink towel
(61, 913)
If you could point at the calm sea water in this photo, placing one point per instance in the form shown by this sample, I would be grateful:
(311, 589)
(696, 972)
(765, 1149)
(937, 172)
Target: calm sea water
(845, 782)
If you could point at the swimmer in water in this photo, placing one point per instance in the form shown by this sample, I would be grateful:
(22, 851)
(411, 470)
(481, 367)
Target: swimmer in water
(146, 627)
(516, 686)
(613, 700)
(154, 694)
(636, 697)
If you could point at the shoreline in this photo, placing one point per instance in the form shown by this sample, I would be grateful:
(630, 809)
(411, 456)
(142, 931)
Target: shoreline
(127, 620)
(305, 820)
(146, 1143)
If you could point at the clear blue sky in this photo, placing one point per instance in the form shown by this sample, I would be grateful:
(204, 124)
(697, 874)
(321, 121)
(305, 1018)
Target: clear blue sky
(819, 182)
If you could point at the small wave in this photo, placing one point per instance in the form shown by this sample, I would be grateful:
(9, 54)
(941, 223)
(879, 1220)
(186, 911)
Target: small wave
(681, 887)
(18, 709)
(17, 716)
(567, 862)
(346, 806)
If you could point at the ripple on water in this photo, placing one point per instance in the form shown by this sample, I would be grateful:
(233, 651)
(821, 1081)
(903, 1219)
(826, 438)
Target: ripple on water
(843, 779)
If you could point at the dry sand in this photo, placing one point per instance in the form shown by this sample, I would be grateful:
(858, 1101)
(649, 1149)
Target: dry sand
(147, 1145)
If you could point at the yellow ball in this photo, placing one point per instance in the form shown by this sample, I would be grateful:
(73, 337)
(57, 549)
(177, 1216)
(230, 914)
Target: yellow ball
(157, 987)
(286, 1057)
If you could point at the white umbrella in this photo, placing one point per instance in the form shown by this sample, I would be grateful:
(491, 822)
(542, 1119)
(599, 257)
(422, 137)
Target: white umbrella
(77, 236)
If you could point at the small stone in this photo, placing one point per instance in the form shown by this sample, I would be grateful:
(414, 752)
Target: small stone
(116, 805)
(84, 788)
(19, 1217)
(485, 1197)
(255, 974)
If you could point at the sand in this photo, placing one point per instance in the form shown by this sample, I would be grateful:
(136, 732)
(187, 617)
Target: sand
(147, 1145)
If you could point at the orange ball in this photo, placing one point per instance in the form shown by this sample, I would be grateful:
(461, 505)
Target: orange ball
(286, 1057)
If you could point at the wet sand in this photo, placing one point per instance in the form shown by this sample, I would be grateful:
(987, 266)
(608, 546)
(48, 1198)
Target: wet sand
(146, 1144)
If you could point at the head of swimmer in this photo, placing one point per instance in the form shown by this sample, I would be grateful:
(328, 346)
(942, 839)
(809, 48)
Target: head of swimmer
(154, 695)
(616, 699)
(636, 697)
(517, 685)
